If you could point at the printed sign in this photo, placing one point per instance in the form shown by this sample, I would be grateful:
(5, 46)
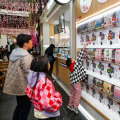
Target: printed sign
(85, 5)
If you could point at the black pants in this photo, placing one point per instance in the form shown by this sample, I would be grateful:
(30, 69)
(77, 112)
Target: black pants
(52, 118)
(22, 109)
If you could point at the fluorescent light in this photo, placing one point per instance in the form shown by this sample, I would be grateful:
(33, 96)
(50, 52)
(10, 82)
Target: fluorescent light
(99, 14)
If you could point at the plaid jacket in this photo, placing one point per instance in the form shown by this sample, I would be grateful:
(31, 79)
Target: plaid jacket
(79, 72)
(44, 97)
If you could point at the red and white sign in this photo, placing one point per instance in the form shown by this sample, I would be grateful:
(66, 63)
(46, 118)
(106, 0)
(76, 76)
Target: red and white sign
(85, 5)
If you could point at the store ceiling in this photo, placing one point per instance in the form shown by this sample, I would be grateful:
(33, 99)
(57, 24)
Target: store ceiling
(15, 13)
(67, 17)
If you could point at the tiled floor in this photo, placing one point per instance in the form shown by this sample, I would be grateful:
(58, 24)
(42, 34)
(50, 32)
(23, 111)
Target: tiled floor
(8, 103)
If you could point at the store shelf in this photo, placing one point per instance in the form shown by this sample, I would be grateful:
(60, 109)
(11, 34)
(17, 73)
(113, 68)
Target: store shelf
(114, 46)
(112, 115)
(104, 78)
(105, 61)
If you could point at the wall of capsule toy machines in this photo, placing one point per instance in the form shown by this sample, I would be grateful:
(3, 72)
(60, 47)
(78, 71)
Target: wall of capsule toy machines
(101, 58)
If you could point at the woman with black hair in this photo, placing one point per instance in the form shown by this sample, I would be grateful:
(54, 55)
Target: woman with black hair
(41, 91)
(49, 54)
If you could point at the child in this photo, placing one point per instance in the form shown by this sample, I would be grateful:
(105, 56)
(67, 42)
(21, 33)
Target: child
(77, 74)
(41, 91)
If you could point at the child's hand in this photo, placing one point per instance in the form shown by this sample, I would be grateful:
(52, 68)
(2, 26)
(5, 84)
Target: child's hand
(73, 60)
(85, 45)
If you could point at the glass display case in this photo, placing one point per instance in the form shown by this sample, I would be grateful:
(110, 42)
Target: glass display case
(62, 51)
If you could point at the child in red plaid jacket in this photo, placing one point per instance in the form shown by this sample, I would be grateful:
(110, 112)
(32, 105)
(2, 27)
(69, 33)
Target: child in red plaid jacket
(41, 91)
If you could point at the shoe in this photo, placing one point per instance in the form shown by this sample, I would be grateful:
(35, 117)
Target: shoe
(75, 110)
(70, 107)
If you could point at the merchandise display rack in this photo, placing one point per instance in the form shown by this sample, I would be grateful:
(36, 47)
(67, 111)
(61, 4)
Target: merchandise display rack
(109, 26)
(104, 78)
(112, 115)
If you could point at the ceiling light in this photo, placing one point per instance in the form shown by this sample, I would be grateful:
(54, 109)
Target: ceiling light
(62, 2)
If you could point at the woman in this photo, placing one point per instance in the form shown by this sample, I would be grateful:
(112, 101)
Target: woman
(49, 54)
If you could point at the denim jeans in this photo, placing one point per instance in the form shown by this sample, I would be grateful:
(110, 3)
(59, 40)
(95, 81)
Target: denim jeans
(22, 109)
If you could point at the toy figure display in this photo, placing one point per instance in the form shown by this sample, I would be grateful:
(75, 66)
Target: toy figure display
(87, 38)
(110, 70)
(97, 54)
(108, 88)
(117, 56)
(82, 39)
(117, 93)
(117, 18)
(107, 21)
(102, 68)
(87, 64)
(90, 65)
(101, 97)
(94, 66)
(116, 107)
(91, 53)
(113, 55)
(90, 27)
(86, 27)
(110, 102)
(106, 54)
(101, 57)
(118, 72)
(86, 53)
(111, 37)
(102, 38)
(114, 75)
(99, 23)
(94, 38)
(90, 83)
(113, 19)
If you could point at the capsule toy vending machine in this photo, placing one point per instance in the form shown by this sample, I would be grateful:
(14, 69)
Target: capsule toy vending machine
(116, 96)
(102, 68)
(97, 54)
(82, 39)
(102, 38)
(117, 56)
(118, 72)
(113, 36)
(101, 96)
(107, 21)
(110, 70)
(95, 88)
(117, 18)
(94, 38)
(108, 90)
(106, 55)
(90, 83)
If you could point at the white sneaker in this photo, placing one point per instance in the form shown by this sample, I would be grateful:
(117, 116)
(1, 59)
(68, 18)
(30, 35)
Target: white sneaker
(70, 107)
(75, 110)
